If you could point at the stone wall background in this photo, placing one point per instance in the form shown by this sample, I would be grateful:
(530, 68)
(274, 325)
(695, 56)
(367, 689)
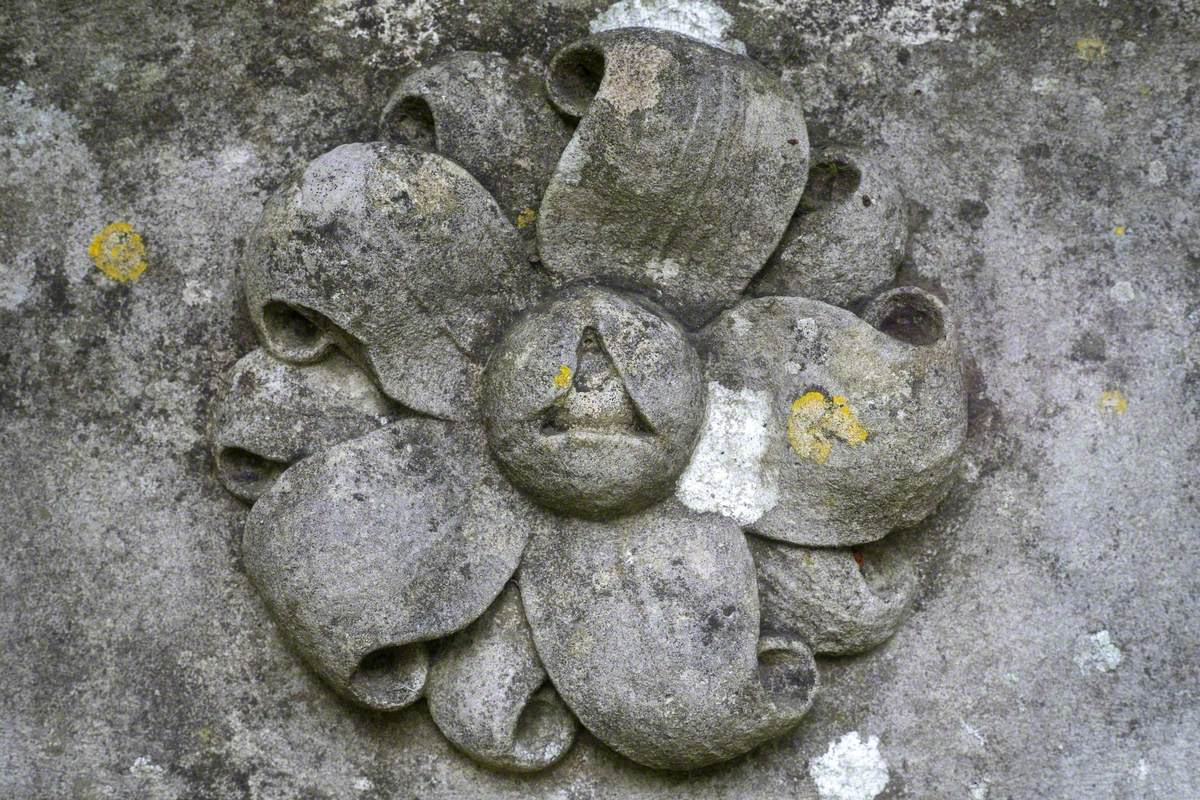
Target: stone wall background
(1054, 154)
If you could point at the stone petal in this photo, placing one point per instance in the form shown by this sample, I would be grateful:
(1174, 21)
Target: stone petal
(649, 629)
(489, 695)
(838, 601)
(682, 175)
(398, 257)
(864, 425)
(374, 546)
(848, 236)
(275, 414)
(489, 114)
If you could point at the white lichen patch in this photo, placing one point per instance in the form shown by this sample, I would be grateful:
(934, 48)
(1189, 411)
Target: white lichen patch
(1097, 652)
(850, 769)
(407, 27)
(701, 20)
(727, 473)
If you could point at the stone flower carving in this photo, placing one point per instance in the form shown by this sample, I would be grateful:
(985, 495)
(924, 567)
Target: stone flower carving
(560, 418)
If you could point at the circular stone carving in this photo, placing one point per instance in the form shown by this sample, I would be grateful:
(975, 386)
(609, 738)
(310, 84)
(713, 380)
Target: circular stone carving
(593, 402)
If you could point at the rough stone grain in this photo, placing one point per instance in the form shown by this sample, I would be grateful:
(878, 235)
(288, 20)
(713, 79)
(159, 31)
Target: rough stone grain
(274, 413)
(681, 177)
(367, 550)
(489, 695)
(649, 628)
(865, 424)
(848, 235)
(400, 258)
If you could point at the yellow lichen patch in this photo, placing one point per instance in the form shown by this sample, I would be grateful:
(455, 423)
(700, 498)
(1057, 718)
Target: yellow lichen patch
(526, 218)
(816, 420)
(563, 379)
(119, 252)
(1120, 230)
(1113, 402)
(1089, 48)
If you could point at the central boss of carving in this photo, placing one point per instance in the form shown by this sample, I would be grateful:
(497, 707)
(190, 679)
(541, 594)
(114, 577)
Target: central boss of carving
(563, 417)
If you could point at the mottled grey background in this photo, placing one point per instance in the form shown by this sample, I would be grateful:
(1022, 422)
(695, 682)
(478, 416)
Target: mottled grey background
(1054, 154)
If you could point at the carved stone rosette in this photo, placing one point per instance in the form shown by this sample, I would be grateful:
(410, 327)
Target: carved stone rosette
(561, 417)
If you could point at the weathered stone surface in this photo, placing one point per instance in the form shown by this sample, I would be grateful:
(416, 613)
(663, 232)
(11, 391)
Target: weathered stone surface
(649, 628)
(837, 601)
(370, 548)
(683, 173)
(864, 425)
(274, 413)
(592, 403)
(848, 235)
(397, 256)
(489, 695)
(489, 114)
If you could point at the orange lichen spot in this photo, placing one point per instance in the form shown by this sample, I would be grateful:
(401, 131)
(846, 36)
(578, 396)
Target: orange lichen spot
(119, 252)
(526, 218)
(816, 421)
(1113, 402)
(563, 379)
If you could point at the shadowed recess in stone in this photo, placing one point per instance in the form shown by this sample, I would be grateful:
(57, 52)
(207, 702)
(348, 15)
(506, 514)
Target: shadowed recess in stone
(837, 600)
(649, 629)
(681, 177)
(864, 426)
(404, 535)
(489, 114)
(489, 695)
(399, 258)
(275, 413)
(592, 403)
(848, 235)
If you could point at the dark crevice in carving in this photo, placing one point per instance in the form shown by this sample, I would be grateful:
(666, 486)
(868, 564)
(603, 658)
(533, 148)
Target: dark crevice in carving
(911, 317)
(249, 473)
(574, 79)
(410, 121)
(830, 182)
(391, 676)
(293, 331)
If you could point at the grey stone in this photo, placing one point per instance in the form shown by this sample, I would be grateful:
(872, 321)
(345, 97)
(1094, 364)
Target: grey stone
(649, 628)
(274, 413)
(397, 256)
(836, 600)
(848, 235)
(865, 425)
(592, 403)
(367, 550)
(489, 694)
(489, 114)
(682, 175)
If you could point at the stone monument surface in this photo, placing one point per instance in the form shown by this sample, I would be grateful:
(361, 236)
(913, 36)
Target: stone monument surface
(656, 399)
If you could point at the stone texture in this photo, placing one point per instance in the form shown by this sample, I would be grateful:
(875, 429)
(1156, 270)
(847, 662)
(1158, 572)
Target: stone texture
(592, 403)
(491, 115)
(398, 257)
(367, 550)
(837, 601)
(137, 660)
(489, 695)
(649, 628)
(848, 235)
(685, 168)
(274, 414)
(865, 424)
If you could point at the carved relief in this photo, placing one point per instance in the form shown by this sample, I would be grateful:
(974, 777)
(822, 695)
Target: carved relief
(609, 475)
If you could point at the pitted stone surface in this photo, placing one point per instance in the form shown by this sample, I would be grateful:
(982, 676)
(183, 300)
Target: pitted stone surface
(489, 114)
(489, 695)
(681, 177)
(849, 233)
(836, 600)
(275, 414)
(592, 403)
(370, 548)
(865, 427)
(397, 256)
(649, 627)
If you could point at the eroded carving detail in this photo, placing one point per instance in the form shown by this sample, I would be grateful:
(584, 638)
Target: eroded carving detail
(619, 489)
